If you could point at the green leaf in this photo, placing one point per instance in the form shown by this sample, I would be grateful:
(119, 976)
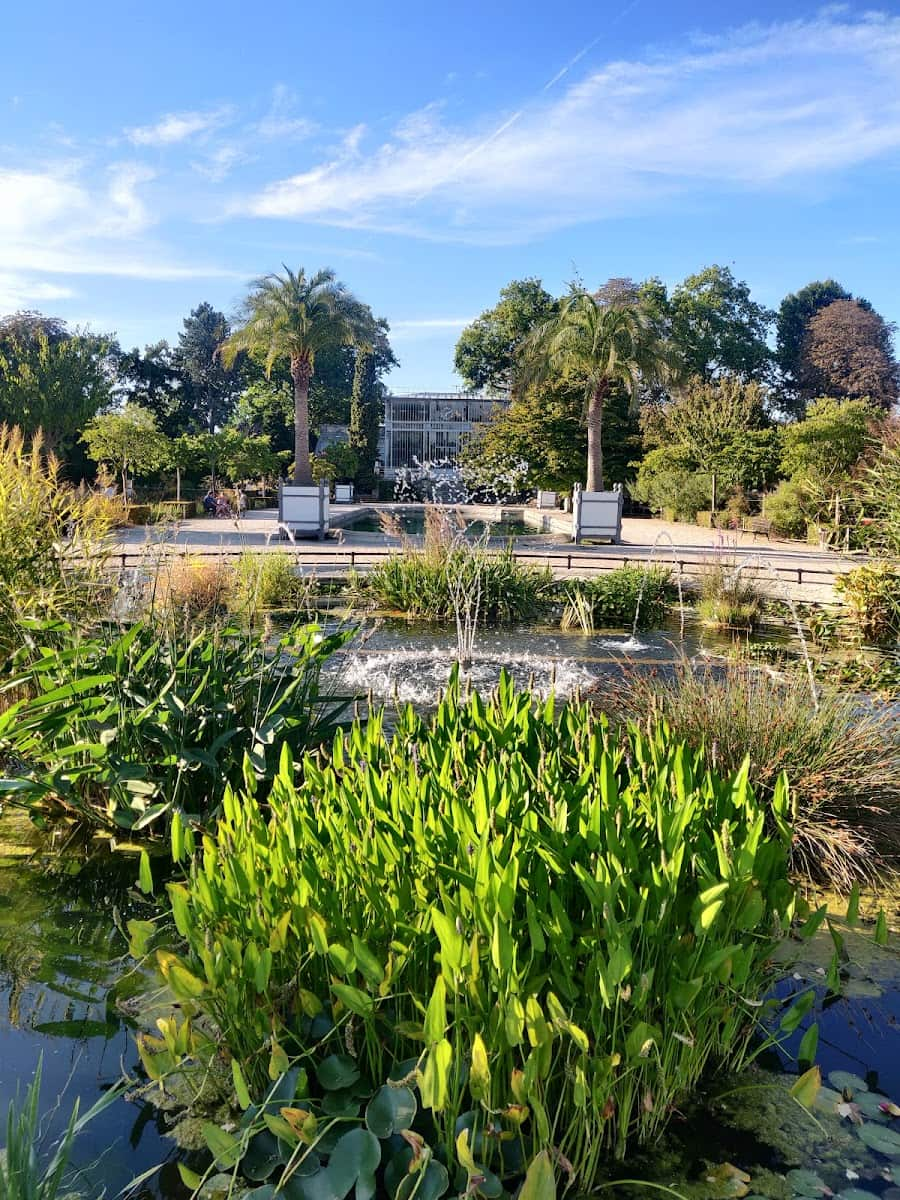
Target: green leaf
(224, 1147)
(809, 1044)
(337, 1071)
(881, 929)
(189, 1178)
(806, 1088)
(240, 1084)
(540, 1181)
(436, 1013)
(354, 999)
(145, 875)
(880, 1138)
(390, 1110)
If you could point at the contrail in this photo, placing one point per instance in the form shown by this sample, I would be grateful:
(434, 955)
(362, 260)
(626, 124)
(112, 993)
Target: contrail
(501, 129)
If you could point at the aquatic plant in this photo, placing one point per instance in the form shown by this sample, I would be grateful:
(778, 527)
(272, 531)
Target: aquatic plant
(422, 582)
(184, 589)
(120, 728)
(263, 582)
(547, 929)
(843, 761)
(729, 597)
(615, 598)
(872, 594)
(31, 1170)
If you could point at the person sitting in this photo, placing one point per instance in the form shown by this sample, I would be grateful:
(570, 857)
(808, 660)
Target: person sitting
(223, 509)
(209, 502)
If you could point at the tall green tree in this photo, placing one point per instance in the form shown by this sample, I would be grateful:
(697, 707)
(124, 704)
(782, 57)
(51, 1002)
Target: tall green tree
(487, 349)
(152, 379)
(52, 378)
(295, 317)
(714, 324)
(599, 342)
(212, 384)
(366, 401)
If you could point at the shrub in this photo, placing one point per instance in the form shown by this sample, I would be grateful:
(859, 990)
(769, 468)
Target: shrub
(546, 928)
(788, 509)
(614, 599)
(666, 479)
(51, 538)
(843, 763)
(872, 593)
(121, 728)
(729, 598)
(270, 581)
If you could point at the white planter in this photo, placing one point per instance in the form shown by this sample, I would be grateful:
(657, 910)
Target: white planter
(546, 499)
(596, 515)
(343, 493)
(303, 508)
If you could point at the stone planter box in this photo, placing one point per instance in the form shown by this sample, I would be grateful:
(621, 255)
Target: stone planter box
(304, 509)
(596, 515)
(343, 493)
(546, 499)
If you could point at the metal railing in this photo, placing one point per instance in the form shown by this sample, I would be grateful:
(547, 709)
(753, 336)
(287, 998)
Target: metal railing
(573, 562)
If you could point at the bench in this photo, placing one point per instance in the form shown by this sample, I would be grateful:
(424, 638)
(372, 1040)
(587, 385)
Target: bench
(758, 526)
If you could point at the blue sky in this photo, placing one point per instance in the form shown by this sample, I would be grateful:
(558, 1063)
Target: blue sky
(153, 155)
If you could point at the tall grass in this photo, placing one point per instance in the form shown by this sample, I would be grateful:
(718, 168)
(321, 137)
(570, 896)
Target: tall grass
(425, 582)
(842, 759)
(51, 539)
(266, 582)
(30, 1167)
(549, 929)
(729, 597)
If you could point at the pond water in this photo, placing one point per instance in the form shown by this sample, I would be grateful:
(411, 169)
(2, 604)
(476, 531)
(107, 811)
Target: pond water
(67, 984)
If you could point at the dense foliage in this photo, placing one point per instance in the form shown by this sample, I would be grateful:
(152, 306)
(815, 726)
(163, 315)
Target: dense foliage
(425, 906)
(118, 728)
(628, 597)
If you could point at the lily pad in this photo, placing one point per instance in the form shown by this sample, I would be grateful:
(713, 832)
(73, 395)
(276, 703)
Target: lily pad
(806, 1183)
(880, 1138)
(390, 1110)
(855, 1193)
(868, 1103)
(337, 1071)
(846, 1079)
(827, 1100)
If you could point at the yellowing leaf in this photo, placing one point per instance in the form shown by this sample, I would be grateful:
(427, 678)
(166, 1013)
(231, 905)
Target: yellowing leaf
(806, 1088)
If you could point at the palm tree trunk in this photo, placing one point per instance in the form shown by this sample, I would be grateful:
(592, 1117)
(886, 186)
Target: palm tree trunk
(595, 438)
(300, 374)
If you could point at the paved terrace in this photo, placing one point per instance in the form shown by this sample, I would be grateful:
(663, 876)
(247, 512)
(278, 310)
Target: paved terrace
(805, 572)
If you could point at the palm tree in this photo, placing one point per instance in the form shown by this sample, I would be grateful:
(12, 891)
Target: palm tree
(294, 316)
(600, 341)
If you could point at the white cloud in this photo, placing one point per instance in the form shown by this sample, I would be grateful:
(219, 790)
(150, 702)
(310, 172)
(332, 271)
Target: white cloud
(763, 107)
(178, 127)
(220, 163)
(21, 291)
(54, 222)
(282, 119)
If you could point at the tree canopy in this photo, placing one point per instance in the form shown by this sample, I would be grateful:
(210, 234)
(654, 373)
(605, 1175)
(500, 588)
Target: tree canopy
(487, 350)
(53, 379)
(848, 353)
